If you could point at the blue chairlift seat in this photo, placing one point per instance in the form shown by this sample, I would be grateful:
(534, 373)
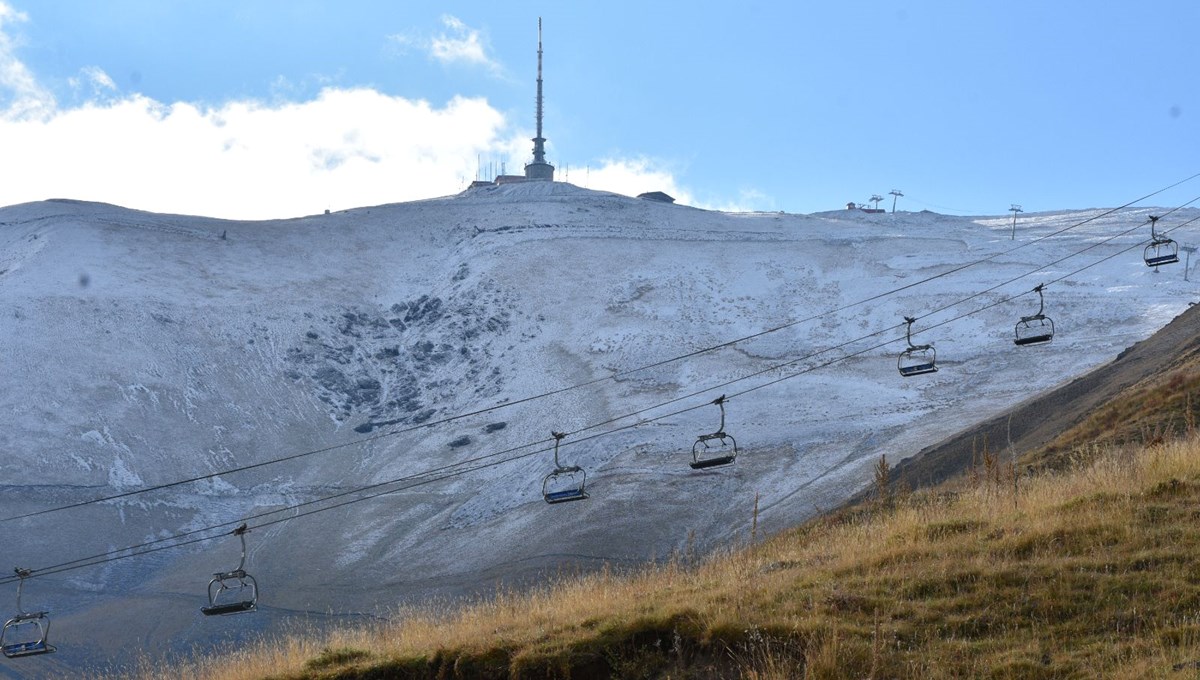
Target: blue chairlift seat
(564, 494)
(1166, 250)
(25, 634)
(29, 644)
(917, 360)
(565, 483)
(1166, 258)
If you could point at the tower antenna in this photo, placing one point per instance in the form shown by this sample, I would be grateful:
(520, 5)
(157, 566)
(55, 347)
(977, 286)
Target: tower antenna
(539, 153)
(539, 168)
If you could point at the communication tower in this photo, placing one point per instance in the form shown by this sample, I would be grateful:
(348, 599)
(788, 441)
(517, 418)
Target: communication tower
(539, 168)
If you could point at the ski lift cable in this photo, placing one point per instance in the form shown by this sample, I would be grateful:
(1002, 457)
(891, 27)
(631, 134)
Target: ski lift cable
(154, 546)
(174, 541)
(977, 310)
(884, 330)
(526, 399)
(612, 376)
(435, 474)
(459, 464)
(954, 319)
(460, 468)
(1123, 251)
(356, 490)
(1061, 260)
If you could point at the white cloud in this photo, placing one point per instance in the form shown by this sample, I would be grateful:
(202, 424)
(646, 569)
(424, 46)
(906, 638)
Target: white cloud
(346, 148)
(748, 200)
(460, 44)
(632, 177)
(464, 45)
(98, 78)
(21, 95)
(99, 84)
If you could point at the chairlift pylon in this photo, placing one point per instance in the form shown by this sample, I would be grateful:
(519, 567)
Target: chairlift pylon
(1037, 328)
(727, 452)
(26, 633)
(565, 483)
(1165, 250)
(917, 359)
(233, 592)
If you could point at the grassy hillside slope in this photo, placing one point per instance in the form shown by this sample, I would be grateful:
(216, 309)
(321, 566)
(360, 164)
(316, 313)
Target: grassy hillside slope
(1088, 572)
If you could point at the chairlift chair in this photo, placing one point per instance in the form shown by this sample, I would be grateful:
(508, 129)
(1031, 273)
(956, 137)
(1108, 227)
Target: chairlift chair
(917, 359)
(1035, 329)
(565, 483)
(25, 634)
(726, 450)
(232, 592)
(1162, 250)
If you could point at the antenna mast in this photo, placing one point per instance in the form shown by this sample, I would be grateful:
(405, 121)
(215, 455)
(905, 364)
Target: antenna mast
(539, 153)
(539, 168)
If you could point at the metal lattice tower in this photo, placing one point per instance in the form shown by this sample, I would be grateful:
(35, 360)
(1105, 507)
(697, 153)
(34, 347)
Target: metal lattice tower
(539, 168)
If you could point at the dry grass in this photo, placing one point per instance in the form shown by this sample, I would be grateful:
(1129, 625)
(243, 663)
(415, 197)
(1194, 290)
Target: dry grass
(1083, 573)
(1164, 408)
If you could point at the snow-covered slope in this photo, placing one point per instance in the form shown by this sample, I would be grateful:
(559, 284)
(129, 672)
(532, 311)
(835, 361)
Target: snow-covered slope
(140, 349)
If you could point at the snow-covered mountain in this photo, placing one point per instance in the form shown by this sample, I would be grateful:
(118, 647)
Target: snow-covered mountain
(140, 349)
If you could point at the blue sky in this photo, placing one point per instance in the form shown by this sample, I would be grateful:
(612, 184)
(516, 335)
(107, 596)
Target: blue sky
(279, 108)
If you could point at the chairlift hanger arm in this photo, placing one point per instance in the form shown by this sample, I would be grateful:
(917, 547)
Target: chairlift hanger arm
(558, 437)
(1041, 300)
(720, 402)
(22, 574)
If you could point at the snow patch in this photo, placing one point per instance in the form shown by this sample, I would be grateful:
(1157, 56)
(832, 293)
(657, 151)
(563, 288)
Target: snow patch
(121, 477)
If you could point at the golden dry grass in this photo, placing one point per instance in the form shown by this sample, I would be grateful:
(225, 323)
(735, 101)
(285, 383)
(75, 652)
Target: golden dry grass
(1085, 573)
(1165, 407)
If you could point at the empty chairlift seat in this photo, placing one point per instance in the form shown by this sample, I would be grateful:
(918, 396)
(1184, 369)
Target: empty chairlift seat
(716, 448)
(1162, 250)
(1037, 328)
(566, 482)
(917, 359)
(25, 634)
(232, 592)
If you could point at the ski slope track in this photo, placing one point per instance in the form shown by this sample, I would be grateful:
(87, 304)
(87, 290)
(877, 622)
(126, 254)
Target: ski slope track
(140, 348)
